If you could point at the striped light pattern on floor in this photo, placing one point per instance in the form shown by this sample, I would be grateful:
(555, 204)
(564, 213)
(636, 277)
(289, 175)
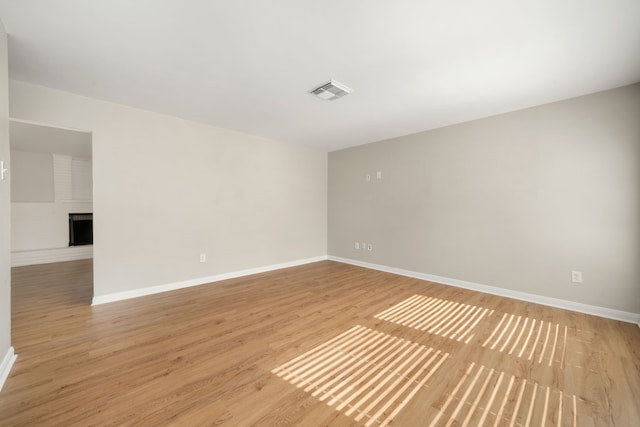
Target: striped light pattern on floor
(366, 374)
(486, 397)
(448, 319)
(531, 339)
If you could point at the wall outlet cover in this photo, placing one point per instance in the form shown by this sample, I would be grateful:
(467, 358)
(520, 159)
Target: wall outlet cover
(576, 276)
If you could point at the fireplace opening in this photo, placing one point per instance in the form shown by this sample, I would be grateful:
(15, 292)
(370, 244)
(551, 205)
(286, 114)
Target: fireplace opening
(80, 229)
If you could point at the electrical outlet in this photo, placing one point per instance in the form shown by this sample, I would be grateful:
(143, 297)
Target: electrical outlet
(379, 175)
(369, 247)
(576, 276)
(203, 257)
(357, 245)
(363, 245)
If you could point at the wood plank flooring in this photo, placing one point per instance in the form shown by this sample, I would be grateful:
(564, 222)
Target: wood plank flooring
(316, 345)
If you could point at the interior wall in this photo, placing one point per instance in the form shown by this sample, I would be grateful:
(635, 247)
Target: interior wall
(166, 190)
(32, 177)
(36, 224)
(5, 211)
(517, 201)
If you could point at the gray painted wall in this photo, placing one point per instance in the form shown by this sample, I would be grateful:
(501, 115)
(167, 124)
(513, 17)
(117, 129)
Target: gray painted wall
(516, 201)
(167, 189)
(31, 177)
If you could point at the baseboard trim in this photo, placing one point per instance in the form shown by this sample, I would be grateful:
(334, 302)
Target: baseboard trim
(608, 313)
(6, 365)
(119, 296)
(46, 256)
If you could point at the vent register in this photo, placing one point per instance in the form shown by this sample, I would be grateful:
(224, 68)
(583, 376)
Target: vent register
(331, 91)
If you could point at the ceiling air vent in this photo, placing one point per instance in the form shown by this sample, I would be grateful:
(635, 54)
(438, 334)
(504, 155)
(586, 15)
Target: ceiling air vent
(331, 90)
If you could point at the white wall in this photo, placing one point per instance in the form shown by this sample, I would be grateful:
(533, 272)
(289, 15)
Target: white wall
(81, 179)
(40, 225)
(6, 351)
(515, 201)
(166, 190)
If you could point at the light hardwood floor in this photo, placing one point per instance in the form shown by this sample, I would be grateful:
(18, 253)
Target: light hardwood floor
(321, 344)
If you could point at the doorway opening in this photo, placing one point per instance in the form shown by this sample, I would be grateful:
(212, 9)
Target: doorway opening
(51, 199)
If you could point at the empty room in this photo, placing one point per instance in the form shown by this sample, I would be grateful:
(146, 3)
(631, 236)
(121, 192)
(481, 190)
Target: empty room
(255, 213)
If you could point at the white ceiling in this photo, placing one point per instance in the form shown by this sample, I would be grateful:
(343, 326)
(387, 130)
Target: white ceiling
(249, 64)
(45, 139)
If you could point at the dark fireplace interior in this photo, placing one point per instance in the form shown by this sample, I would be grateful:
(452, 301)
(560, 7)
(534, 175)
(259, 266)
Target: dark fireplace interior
(80, 229)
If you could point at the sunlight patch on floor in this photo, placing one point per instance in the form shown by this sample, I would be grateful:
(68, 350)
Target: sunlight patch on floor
(448, 319)
(489, 397)
(366, 374)
(531, 339)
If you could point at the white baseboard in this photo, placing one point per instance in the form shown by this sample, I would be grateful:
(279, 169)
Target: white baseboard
(6, 365)
(119, 296)
(45, 256)
(523, 296)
